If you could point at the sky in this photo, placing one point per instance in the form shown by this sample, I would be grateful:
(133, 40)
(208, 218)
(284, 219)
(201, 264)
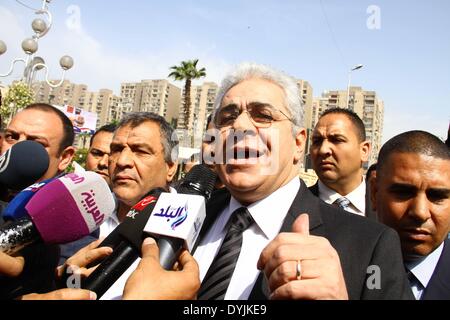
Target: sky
(403, 45)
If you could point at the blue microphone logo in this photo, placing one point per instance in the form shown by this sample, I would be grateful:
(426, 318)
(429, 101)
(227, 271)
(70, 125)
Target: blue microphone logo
(180, 215)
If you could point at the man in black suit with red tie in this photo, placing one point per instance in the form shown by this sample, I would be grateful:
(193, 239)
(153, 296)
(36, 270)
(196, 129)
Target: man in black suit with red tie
(412, 195)
(268, 236)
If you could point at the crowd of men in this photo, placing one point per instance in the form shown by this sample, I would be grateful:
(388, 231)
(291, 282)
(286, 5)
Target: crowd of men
(266, 235)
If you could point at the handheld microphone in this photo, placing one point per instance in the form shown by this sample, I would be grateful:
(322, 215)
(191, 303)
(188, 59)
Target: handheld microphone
(16, 170)
(65, 210)
(15, 209)
(177, 219)
(126, 240)
(199, 181)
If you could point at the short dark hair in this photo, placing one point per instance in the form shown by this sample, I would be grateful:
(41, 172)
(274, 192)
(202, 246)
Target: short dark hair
(419, 142)
(68, 133)
(373, 167)
(111, 127)
(353, 117)
(448, 137)
(169, 139)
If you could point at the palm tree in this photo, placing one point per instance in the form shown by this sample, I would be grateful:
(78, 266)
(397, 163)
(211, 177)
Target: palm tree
(187, 71)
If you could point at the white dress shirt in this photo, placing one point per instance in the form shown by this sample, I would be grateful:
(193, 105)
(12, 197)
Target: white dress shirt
(269, 215)
(109, 225)
(423, 271)
(357, 197)
(116, 290)
(112, 222)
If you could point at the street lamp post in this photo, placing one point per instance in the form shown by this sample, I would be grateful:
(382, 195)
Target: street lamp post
(357, 67)
(30, 46)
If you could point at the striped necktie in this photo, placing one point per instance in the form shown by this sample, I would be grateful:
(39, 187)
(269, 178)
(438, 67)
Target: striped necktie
(342, 203)
(218, 277)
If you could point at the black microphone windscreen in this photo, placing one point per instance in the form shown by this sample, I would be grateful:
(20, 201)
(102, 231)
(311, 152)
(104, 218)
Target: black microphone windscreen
(133, 225)
(23, 164)
(200, 180)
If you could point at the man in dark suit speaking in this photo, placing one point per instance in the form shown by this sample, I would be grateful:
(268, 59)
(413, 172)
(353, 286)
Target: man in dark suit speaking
(256, 242)
(412, 195)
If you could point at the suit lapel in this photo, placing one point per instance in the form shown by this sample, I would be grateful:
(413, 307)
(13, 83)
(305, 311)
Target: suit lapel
(315, 189)
(219, 199)
(304, 202)
(439, 286)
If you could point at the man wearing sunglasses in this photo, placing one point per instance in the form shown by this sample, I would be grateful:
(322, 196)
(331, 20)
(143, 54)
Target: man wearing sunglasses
(270, 237)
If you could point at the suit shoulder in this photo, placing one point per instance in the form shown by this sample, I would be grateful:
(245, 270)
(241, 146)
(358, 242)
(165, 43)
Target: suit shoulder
(314, 189)
(353, 225)
(444, 259)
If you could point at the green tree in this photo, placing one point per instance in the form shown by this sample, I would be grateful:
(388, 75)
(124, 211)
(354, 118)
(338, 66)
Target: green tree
(187, 71)
(80, 157)
(115, 122)
(19, 96)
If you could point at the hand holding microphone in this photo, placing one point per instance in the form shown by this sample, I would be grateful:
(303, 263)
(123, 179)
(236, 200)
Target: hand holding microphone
(125, 240)
(151, 282)
(80, 262)
(65, 210)
(175, 221)
(62, 294)
(11, 266)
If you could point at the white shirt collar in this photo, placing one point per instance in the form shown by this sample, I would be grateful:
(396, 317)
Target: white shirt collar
(357, 197)
(423, 269)
(269, 214)
(115, 218)
(172, 190)
(263, 211)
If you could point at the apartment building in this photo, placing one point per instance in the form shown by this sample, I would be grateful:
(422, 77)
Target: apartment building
(158, 96)
(366, 104)
(67, 94)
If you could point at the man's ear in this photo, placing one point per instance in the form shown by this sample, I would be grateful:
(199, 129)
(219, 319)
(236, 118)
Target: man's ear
(300, 143)
(66, 158)
(365, 148)
(171, 171)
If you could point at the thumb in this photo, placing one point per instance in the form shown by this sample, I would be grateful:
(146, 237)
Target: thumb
(150, 249)
(301, 224)
(187, 262)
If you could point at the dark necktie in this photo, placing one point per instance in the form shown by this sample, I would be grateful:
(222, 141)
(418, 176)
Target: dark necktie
(414, 282)
(218, 277)
(342, 203)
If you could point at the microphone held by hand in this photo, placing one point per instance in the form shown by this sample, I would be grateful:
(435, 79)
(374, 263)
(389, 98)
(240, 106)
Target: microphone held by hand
(125, 240)
(65, 210)
(177, 219)
(16, 171)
